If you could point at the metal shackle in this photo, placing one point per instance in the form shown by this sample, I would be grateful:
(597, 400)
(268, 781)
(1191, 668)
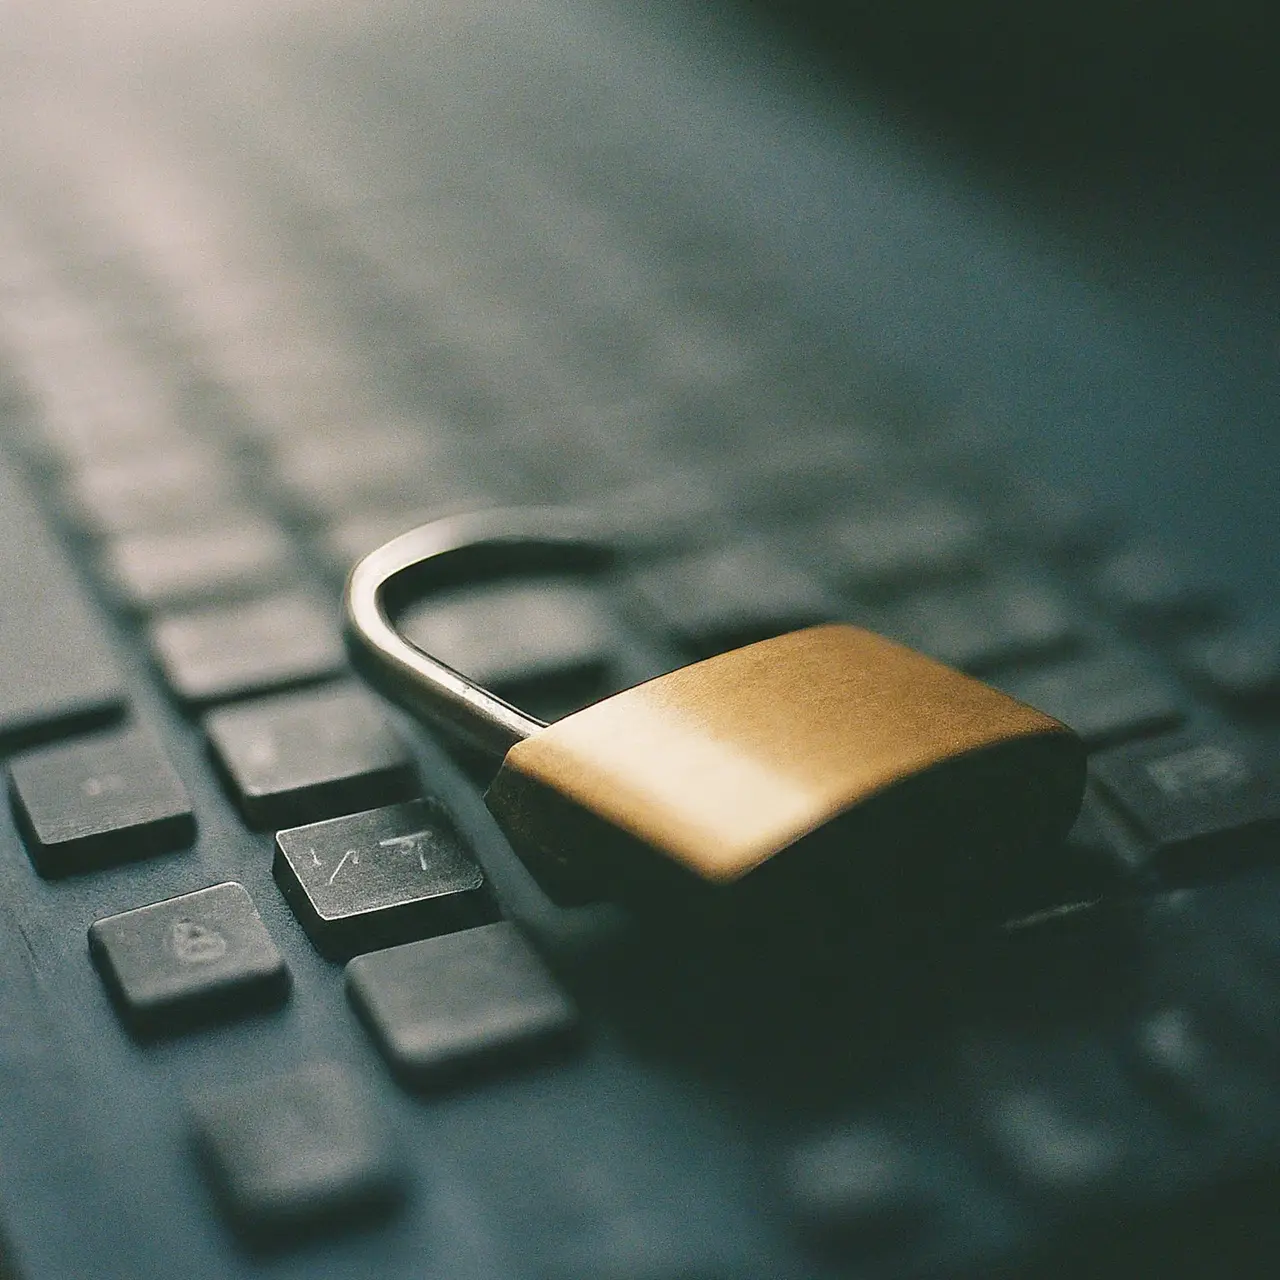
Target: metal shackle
(455, 551)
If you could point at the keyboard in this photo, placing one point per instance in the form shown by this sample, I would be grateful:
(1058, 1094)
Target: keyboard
(278, 998)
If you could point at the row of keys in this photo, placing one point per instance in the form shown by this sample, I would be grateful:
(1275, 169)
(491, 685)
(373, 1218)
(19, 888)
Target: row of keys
(292, 1154)
(293, 758)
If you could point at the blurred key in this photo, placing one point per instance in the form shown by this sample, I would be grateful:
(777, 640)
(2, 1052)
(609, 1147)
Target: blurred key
(1105, 698)
(1008, 618)
(1146, 585)
(1240, 664)
(210, 655)
(1202, 804)
(720, 599)
(915, 539)
(57, 674)
(856, 1187)
(355, 468)
(180, 488)
(510, 636)
(152, 571)
(298, 1154)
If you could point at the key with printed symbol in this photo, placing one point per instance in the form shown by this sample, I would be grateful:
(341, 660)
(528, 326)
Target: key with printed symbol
(1201, 805)
(97, 801)
(200, 957)
(371, 880)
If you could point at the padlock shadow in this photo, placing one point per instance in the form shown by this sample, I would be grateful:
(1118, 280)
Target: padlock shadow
(805, 1005)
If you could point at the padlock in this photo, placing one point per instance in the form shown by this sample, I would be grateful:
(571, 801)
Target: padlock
(830, 759)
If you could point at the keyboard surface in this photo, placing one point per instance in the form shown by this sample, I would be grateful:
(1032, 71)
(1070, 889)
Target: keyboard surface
(276, 997)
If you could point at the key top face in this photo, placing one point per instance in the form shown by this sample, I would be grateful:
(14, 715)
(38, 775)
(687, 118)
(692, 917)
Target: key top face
(47, 689)
(202, 956)
(1202, 803)
(1104, 699)
(305, 756)
(1003, 620)
(102, 800)
(162, 570)
(211, 655)
(731, 596)
(440, 1005)
(512, 635)
(856, 1187)
(298, 1153)
(374, 879)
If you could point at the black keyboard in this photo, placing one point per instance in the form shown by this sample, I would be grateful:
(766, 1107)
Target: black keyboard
(276, 997)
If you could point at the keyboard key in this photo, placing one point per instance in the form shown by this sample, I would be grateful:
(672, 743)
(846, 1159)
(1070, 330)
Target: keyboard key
(305, 756)
(359, 468)
(1202, 805)
(1104, 699)
(1056, 1152)
(1005, 619)
(181, 488)
(1182, 1063)
(508, 637)
(200, 957)
(441, 1005)
(374, 879)
(1240, 665)
(164, 570)
(718, 600)
(298, 1154)
(210, 655)
(1145, 585)
(57, 675)
(97, 801)
(917, 539)
(808, 469)
(856, 1187)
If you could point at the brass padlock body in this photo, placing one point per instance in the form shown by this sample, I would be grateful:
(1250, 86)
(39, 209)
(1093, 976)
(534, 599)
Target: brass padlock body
(876, 769)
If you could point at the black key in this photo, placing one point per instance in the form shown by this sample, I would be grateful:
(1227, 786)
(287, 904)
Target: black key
(809, 470)
(299, 1154)
(374, 879)
(856, 1187)
(101, 800)
(211, 655)
(675, 509)
(200, 957)
(166, 570)
(441, 1005)
(1145, 585)
(1202, 805)
(1240, 665)
(180, 488)
(1183, 1063)
(1104, 699)
(720, 599)
(56, 673)
(917, 539)
(1057, 1152)
(359, 468)
(305, 756)
(510, 636)
(1002, 620)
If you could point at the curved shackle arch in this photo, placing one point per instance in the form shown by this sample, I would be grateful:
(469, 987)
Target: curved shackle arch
(454, 551)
